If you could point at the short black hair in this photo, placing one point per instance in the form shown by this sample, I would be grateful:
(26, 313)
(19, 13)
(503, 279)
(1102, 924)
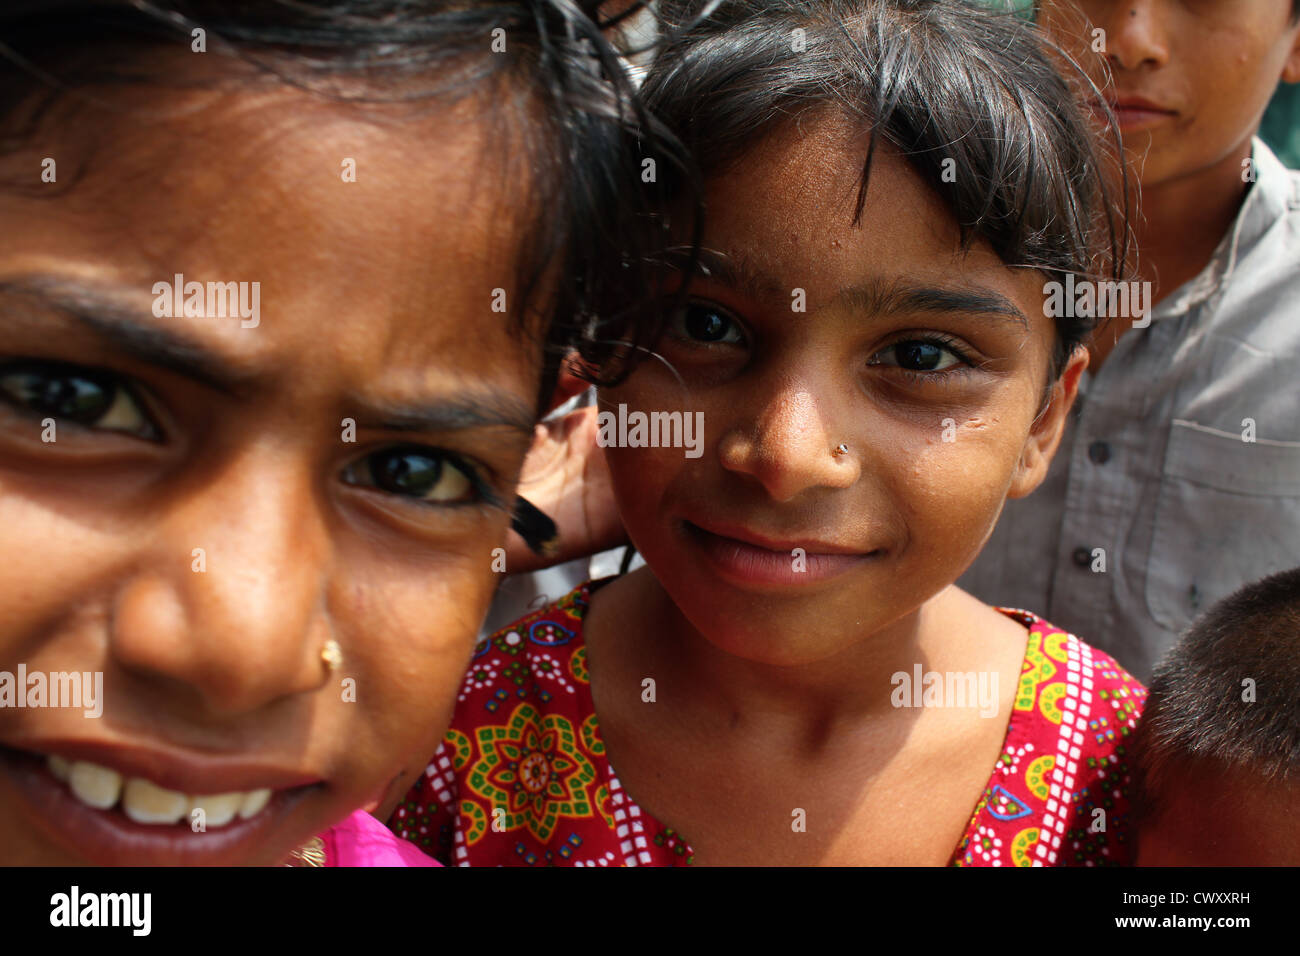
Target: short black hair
(953, 85)
(560, 70)
(1226, 696)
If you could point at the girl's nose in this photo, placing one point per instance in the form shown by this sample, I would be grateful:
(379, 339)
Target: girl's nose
(789, 448)
(228, 603)
(1136, 35)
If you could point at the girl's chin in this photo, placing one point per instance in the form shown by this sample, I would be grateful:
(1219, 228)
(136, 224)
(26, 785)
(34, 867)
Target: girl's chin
(85, 834)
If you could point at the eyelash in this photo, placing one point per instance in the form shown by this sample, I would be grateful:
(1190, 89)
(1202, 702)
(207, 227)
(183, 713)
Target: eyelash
(115, 388)
(484, 492)
(948, 376)
(43, 369)
(943, 377)
(678, 317)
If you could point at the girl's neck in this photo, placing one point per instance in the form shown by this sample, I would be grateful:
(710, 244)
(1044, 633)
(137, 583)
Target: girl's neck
(801, 703)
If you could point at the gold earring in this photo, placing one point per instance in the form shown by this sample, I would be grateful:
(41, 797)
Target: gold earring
(331, 655)
(840, 449)
(311, 853)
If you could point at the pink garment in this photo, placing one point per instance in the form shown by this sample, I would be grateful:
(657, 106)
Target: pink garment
(361, 840)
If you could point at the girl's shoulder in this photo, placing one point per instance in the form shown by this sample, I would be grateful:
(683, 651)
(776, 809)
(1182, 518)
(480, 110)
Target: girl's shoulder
(540, 658)
(521, 776)
(1059, 794)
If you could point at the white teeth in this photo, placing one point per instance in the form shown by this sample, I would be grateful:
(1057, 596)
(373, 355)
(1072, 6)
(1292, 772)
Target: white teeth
(146, 802)
(59, 767)
(95, 785)
(253, 803)
(218, 809)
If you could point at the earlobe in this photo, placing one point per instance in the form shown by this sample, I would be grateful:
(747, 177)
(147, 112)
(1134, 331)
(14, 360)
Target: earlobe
(568, 383)
(1291, 72)
(1045, 434)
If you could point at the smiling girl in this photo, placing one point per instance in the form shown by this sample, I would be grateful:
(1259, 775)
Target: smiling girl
(241, 526)
(793, 678)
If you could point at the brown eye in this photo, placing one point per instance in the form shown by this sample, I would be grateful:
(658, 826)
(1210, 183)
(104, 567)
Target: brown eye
(91, 398)
(425, 474)
(707, 324)
(918, 355)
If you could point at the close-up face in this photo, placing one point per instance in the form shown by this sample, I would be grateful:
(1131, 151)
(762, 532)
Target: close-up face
(1191, 78)
(1224, 824)
(197, 506)
(928, 366)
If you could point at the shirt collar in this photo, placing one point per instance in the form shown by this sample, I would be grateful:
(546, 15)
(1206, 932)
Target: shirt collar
(1270, 196)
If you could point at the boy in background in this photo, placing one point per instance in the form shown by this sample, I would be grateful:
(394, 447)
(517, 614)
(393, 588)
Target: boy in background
(1178, 479)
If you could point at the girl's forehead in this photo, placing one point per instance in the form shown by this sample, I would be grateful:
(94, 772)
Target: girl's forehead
(356, 229)
(785, 213)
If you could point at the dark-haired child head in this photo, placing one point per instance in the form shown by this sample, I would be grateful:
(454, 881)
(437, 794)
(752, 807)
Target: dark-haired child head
(877, 243)
(1218, 749)
(197, 506)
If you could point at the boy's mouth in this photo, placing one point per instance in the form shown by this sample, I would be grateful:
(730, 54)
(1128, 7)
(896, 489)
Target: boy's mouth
(1137, 112)
(112, 816)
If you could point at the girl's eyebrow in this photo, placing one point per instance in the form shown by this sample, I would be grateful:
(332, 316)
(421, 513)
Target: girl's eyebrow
(471, 408)
(115, 317)
(876, 297)
(882, 298)
(112, 317)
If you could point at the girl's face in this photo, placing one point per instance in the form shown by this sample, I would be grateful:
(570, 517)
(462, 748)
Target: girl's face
(221, 497)
(928, 365)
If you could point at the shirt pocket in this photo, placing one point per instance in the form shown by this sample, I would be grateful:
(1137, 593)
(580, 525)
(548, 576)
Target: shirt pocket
(1228, 513)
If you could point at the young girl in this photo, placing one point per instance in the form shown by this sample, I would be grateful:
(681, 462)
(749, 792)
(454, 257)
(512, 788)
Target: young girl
(793, 678)
(272, 341)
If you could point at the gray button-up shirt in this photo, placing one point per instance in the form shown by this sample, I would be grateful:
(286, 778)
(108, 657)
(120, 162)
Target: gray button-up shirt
(1178, 477)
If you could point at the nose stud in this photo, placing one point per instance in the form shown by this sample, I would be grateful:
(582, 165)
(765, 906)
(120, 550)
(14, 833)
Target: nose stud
(331, 655)
(840, 450)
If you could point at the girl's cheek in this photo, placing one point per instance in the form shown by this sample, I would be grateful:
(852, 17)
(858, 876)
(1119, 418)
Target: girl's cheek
(412, 643)
(959, 484)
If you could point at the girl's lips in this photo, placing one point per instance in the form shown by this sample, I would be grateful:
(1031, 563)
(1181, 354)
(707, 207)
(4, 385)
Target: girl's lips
(750, 565)
(109, 838)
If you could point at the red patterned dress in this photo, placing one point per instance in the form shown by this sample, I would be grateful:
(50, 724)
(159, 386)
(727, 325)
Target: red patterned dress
(521, 777)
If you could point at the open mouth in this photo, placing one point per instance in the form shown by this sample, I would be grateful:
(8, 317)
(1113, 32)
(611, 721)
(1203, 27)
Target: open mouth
(114, 818)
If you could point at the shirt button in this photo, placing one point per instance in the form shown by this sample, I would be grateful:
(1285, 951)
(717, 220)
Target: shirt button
(1082, 557)
(1099, 452)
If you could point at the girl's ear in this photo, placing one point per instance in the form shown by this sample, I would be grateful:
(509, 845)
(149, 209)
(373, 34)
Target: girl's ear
(568, 383)
(1045, 435)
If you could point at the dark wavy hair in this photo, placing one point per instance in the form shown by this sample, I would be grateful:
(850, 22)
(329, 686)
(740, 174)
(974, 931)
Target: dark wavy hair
(559, 87)
(935, 79)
